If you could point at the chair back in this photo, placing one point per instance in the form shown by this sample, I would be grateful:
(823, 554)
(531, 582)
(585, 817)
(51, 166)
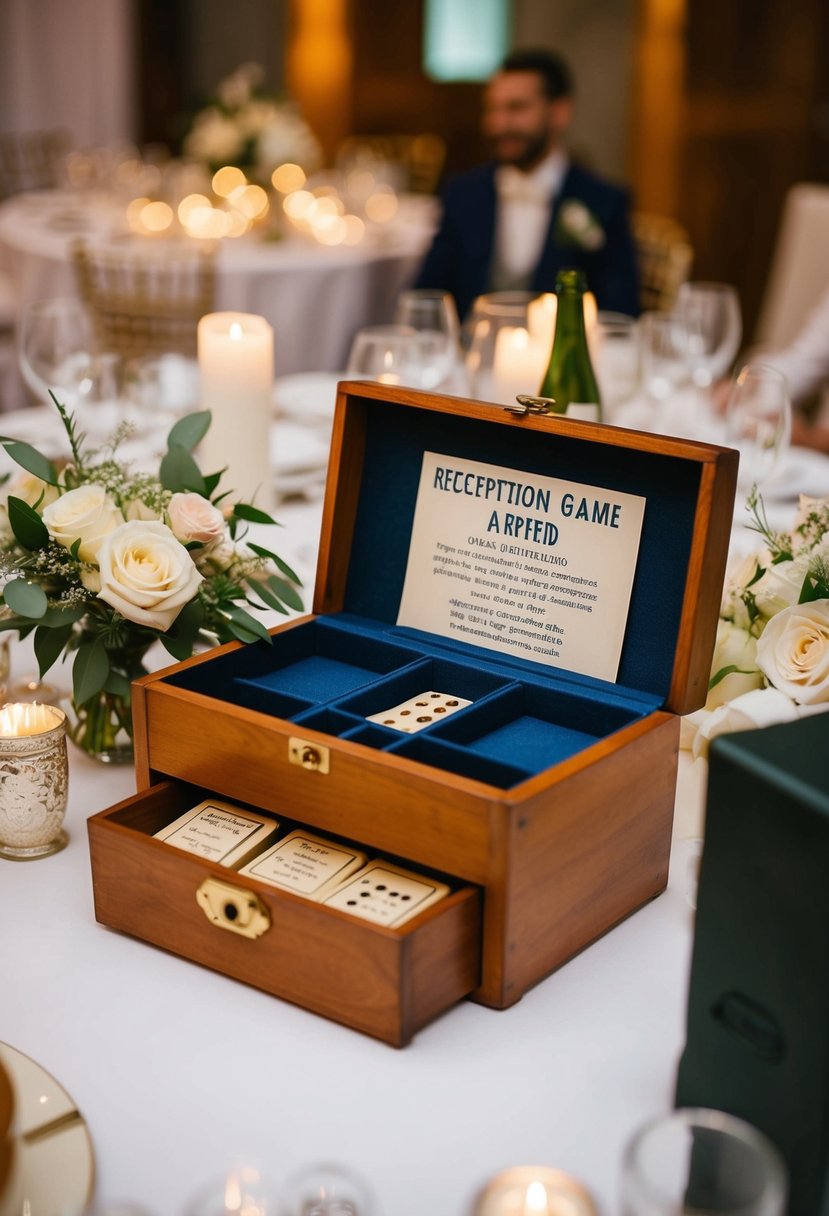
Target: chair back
(146, 301)
(31, 161)
(664, 256)
(420, 158)
(799, 271)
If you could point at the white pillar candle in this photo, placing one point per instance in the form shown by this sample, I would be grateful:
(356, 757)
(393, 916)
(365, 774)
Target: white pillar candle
(518, 363)
(236, 385)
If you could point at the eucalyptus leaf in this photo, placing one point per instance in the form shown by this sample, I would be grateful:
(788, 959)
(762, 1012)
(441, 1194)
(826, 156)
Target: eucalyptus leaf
(90, 671)
(253, 515)
(243, 620)
(189, 431)
(118, 685)
(179, 471)
(815, 587)
(241, 634)
(285, 592)
(179, 648)
(26, 599)
(267, 597)
(30, 459)
(57, 616)
(49, 645)
(26, 524)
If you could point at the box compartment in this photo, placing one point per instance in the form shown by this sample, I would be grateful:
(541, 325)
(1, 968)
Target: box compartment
(385, 982)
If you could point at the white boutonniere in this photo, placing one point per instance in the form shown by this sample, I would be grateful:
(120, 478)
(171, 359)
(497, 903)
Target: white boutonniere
(577, 225)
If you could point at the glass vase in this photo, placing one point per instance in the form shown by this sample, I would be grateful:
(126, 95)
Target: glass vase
(102, 726)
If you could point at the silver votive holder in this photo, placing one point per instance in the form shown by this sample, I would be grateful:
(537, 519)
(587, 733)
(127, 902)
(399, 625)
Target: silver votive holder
(34, 781)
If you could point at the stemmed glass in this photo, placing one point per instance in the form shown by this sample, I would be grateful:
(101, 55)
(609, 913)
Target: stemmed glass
(389, 354)
(434, 315)
(664, 353)
(712, 315)
(758, 420)
(56, 349)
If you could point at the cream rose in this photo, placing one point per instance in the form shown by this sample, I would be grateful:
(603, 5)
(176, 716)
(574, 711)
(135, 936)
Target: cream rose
(793, 652)
(146, 574)
(87, 514)
(735, 647)
(194, 518)
(758, 708)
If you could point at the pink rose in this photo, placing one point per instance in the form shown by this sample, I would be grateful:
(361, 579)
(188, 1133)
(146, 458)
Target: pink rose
(192, 517)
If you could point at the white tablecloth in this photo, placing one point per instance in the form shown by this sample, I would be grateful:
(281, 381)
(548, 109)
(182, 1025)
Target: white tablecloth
(314, 296)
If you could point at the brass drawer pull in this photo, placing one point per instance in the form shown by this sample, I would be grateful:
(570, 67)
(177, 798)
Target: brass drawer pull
(233, 908)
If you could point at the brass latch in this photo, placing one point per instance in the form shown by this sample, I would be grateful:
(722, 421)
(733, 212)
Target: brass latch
(313, 756)
(531, 405)
(233, 908)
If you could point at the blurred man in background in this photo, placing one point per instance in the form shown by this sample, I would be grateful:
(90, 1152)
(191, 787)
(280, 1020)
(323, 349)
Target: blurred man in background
(512, 224)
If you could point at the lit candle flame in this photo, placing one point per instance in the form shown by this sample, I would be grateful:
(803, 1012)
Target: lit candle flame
(535, 1199)
(236, 331)
(23, 718)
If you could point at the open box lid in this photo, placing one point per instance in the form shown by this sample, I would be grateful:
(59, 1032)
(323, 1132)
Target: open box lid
(386, 443)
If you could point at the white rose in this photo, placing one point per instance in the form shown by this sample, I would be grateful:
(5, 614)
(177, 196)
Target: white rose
(735, 647)
(87, 513)
(192, 517)
(761, 707)
(793, 652)
(146, 574)
(779, 586)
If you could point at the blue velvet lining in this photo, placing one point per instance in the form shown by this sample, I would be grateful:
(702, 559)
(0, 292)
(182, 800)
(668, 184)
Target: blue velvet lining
(331, 673)
(396, 438)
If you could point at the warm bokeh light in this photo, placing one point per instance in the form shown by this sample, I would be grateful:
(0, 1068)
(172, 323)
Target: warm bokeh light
(134, 211)
(157, 216)
(252, 201)
(355, 230)
(287, 178)
(299, 205)
(332, 231)
(228, 179)
(381, 206)
(207, 223)
(192, 202)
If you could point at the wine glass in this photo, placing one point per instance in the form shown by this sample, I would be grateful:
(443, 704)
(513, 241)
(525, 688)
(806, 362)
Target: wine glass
(712, 314)
(615, 356)
(703, 1162)
(434, 315)
(664, 353)
(55, 349)
(507, 353)
(389, 354)
(758, 420)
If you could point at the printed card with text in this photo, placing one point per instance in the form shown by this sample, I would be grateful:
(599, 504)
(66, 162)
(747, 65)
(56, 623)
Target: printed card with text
(524, 564)
(306, 864)
(220, 832)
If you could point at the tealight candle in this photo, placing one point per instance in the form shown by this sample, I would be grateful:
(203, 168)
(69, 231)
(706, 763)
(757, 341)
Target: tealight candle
(235, 352)
(33, 780)
(541, 318)
(534, 1190)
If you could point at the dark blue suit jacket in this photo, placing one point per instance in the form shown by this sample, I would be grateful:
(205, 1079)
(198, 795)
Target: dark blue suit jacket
(461, 253)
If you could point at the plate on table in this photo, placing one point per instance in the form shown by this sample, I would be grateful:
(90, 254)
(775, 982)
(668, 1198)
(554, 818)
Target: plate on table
(801, 471)
(299, 458)
(307, 396)
(53, 1167)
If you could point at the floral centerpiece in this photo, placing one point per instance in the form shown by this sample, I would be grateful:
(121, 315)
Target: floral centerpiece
(99, 562)
(771, 659)
(244, 127)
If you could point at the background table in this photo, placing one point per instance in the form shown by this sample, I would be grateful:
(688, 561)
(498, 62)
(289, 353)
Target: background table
(315, 297)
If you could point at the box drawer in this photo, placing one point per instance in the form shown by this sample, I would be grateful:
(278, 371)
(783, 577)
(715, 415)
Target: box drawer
(387, 983)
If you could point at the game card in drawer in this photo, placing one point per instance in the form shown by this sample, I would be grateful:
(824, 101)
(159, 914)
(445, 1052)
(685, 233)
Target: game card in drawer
(305, 864)
(220, 832)
(386, 894)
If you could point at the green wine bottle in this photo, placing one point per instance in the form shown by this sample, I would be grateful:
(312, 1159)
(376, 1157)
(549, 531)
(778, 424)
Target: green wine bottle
(569, 378)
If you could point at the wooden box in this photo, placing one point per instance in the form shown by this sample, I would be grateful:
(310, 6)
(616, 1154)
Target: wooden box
(547, 802)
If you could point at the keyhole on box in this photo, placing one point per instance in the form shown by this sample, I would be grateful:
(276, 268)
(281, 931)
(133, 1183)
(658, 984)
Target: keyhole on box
(231, 911)
(310, 758)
